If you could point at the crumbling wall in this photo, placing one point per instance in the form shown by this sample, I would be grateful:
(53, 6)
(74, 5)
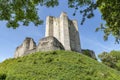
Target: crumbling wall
(49, 43)
(65, 30)
(28, 44)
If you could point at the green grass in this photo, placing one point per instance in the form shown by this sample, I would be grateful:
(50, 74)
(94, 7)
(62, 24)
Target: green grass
(56, 65)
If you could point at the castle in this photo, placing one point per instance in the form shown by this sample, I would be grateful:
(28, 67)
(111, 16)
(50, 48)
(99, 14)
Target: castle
(61, 34)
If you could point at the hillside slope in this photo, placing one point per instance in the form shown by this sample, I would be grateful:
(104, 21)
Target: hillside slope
(56, 65)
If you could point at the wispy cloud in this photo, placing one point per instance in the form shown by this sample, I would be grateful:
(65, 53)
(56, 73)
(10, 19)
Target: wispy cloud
(109, 46)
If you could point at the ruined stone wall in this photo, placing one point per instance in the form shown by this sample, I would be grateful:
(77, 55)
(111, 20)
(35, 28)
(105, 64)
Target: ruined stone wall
(74, 36)
(49, 26)
(28, 44)
(65, 30)
(65, 36)
(49, 43)
(56, 29)
(61, 34)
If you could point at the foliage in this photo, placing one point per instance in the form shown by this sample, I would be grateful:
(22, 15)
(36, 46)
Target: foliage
(111, 59)
(2, 76)
(24, 11)
(111, 14)
(88, 5)
(56, 65)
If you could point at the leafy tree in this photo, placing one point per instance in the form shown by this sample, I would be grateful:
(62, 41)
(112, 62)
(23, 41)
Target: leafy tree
(26, 11)
(111, 59)
(111, 14)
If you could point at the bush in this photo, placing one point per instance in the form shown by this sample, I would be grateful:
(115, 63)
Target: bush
(111, 59)
(2, 76)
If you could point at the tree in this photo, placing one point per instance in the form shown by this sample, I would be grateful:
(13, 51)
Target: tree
(111, 14)
(25, 11)
(111, 59)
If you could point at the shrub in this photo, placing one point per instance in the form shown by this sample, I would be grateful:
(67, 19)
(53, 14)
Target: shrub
(2, 76)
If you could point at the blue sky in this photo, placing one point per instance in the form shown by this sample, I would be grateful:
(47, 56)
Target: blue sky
(10, 38)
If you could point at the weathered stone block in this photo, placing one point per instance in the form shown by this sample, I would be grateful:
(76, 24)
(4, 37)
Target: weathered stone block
(26, 46)
(49, 43)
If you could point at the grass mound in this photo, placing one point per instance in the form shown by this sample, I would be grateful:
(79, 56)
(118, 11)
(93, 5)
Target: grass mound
(56, 65)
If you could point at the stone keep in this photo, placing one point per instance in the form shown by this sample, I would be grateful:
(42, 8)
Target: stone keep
(65, 30)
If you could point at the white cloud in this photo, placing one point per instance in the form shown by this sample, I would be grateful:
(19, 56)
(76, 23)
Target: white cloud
(99, 46)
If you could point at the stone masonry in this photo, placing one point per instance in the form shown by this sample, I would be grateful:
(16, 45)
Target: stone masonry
(45, 44)
(65, 30)
(49, 43)
(61, 34)
(27, 45)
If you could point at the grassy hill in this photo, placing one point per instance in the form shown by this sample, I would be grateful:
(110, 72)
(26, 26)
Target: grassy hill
(56, 65)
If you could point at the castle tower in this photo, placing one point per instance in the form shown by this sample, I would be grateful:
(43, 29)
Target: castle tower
(65, 30)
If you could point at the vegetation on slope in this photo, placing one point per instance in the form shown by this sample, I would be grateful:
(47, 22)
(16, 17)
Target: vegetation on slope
(111, 59)
(56, 65)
